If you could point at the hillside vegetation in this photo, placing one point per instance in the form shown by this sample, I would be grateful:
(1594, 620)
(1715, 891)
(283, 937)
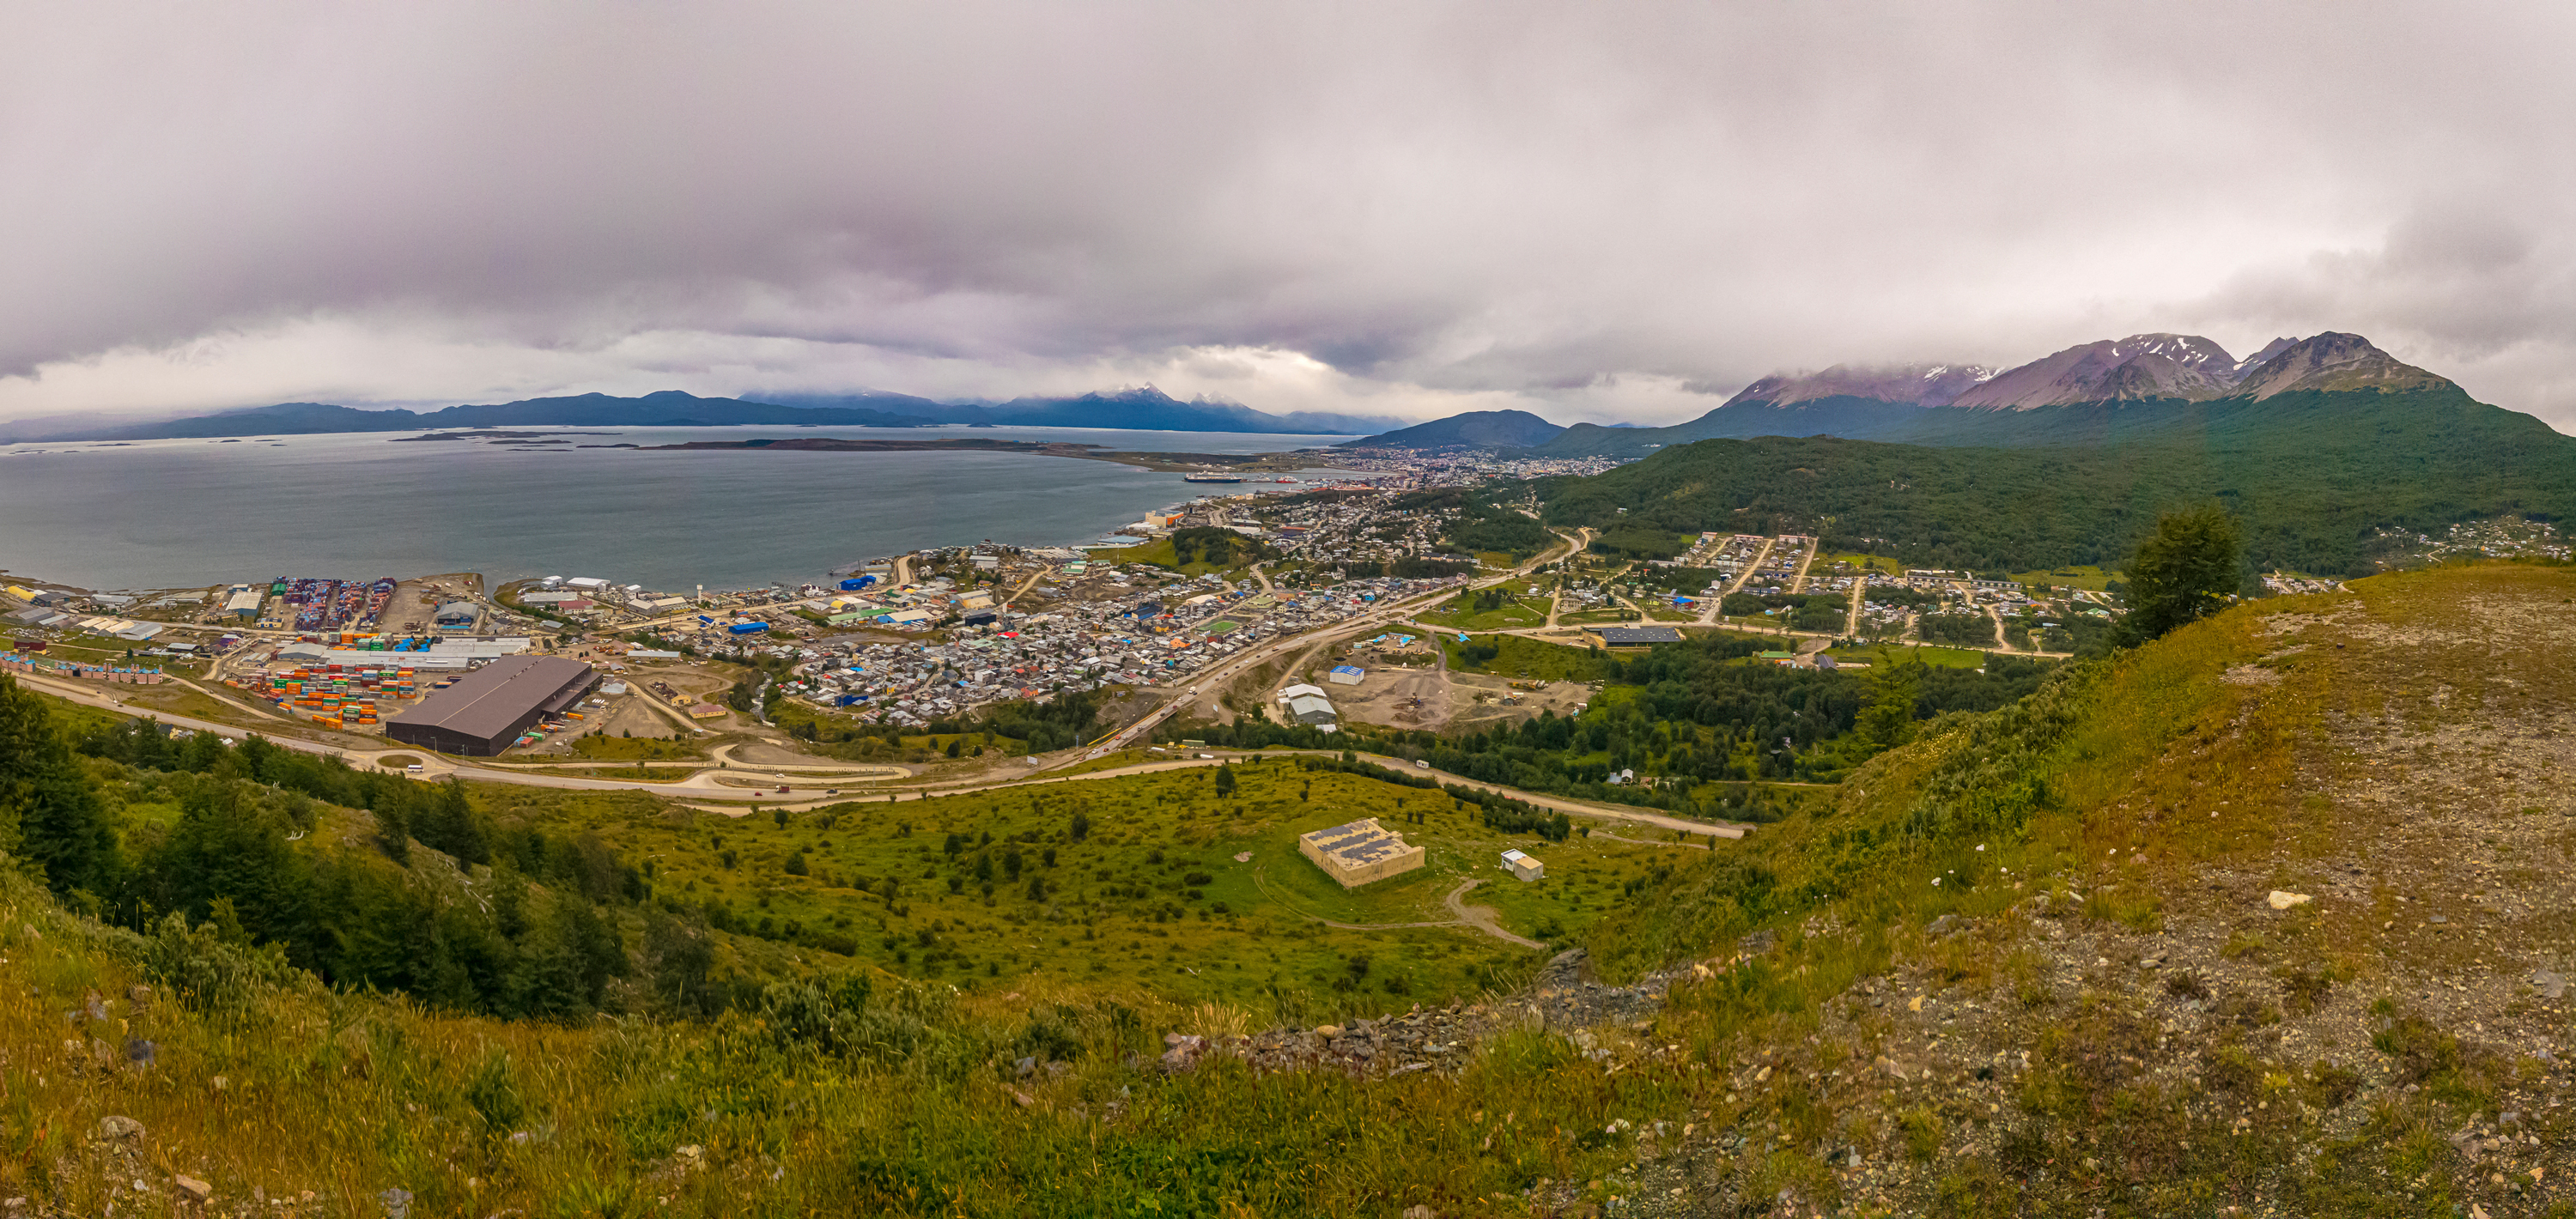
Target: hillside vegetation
(2268, 916)
(2311, 474)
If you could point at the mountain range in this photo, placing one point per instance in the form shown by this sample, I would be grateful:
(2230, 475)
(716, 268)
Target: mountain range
(2318, 446)
(2101, 392)
(1147, 409)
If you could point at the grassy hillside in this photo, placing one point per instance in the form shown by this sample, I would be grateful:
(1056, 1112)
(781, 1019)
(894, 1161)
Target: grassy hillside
(2311, 474)
(2030, 964)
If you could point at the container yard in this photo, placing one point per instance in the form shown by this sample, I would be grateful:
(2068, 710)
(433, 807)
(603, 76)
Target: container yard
(333, 696)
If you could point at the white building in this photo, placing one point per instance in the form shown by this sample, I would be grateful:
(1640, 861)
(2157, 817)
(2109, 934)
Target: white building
(1523, 866)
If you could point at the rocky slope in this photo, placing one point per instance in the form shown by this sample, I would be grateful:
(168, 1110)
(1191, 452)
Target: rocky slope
(1913, 385)
(2140, 366)
(2332, 363)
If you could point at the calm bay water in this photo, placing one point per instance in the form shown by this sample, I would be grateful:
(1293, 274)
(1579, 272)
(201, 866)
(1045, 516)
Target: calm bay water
(175, 513)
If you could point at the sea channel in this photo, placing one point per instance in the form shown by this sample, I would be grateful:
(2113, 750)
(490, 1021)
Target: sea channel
(176, 513)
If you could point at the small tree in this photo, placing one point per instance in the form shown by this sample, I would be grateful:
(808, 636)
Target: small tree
(1887, 720)
(2183, 571)
(1224, 780)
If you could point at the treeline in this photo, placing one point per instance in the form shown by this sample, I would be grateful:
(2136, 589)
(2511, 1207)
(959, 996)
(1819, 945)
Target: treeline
(1805, 611)
(1216, 547)
(1676, 577)
(1639, 541)
(1410, 567)
(1482, 526)
(1493, 810)
(1696, 711)
(131, 826)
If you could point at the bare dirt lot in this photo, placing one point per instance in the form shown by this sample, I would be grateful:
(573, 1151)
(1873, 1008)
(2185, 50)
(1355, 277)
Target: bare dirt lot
(1397, 697)
(415, 600)
(1480, 700)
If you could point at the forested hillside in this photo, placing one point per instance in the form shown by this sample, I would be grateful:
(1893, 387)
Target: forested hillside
(2311, 474)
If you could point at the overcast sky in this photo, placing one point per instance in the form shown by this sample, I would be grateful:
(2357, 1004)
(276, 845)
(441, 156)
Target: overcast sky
(1593, 211)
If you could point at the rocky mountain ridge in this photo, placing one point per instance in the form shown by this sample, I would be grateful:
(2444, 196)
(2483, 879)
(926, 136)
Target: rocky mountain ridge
(1914, 384)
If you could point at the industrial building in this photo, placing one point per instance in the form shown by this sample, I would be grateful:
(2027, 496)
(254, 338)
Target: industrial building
(487, 709)
(1346, 675)
(1359, 852)
(1307, 704)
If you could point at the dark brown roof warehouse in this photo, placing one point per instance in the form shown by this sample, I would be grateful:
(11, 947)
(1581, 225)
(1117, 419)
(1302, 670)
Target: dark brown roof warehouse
(488, 708)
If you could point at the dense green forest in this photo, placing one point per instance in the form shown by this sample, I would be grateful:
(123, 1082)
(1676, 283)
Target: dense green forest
(1701, 710)
(1802, 611)
(2311, 475)
(1481, 526)
(1217, 547)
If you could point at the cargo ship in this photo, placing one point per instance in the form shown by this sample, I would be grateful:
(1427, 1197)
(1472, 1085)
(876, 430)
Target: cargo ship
(1211, 478)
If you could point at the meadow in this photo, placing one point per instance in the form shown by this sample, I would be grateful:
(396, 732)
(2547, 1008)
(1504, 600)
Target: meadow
(1129, 884)
(1460, 613)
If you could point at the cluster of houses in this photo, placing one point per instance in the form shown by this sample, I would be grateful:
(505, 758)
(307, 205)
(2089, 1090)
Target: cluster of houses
(1149, 638)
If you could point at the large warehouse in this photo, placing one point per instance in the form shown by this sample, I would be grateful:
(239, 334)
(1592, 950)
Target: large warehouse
(488, 708)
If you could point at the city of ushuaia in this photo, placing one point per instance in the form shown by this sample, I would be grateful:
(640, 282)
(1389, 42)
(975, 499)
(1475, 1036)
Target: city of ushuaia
(1424, 613)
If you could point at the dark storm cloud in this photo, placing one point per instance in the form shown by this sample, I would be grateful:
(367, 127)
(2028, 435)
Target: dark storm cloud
(1593, 211)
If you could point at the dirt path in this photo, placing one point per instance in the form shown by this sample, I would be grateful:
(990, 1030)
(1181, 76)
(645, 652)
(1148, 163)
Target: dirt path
(1482, 918)
(1474, 918)
(1026, 585)
(1685, 843)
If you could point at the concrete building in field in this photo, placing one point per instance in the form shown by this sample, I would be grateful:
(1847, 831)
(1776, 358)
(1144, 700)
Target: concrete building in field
(1359, 852)
(487, 709)
(1523, 866)
(1634, 636)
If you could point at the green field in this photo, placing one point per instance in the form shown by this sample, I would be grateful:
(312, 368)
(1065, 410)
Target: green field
(1459, 613)
(1519, 656)
(2088, 577)
(1594, 617)
(1150, 898)
(1939, 657)
(1159, 553)
(1867, 562)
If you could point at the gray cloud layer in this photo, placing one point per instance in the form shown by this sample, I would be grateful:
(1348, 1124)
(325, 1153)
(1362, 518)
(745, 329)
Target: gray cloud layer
(1406, 209)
